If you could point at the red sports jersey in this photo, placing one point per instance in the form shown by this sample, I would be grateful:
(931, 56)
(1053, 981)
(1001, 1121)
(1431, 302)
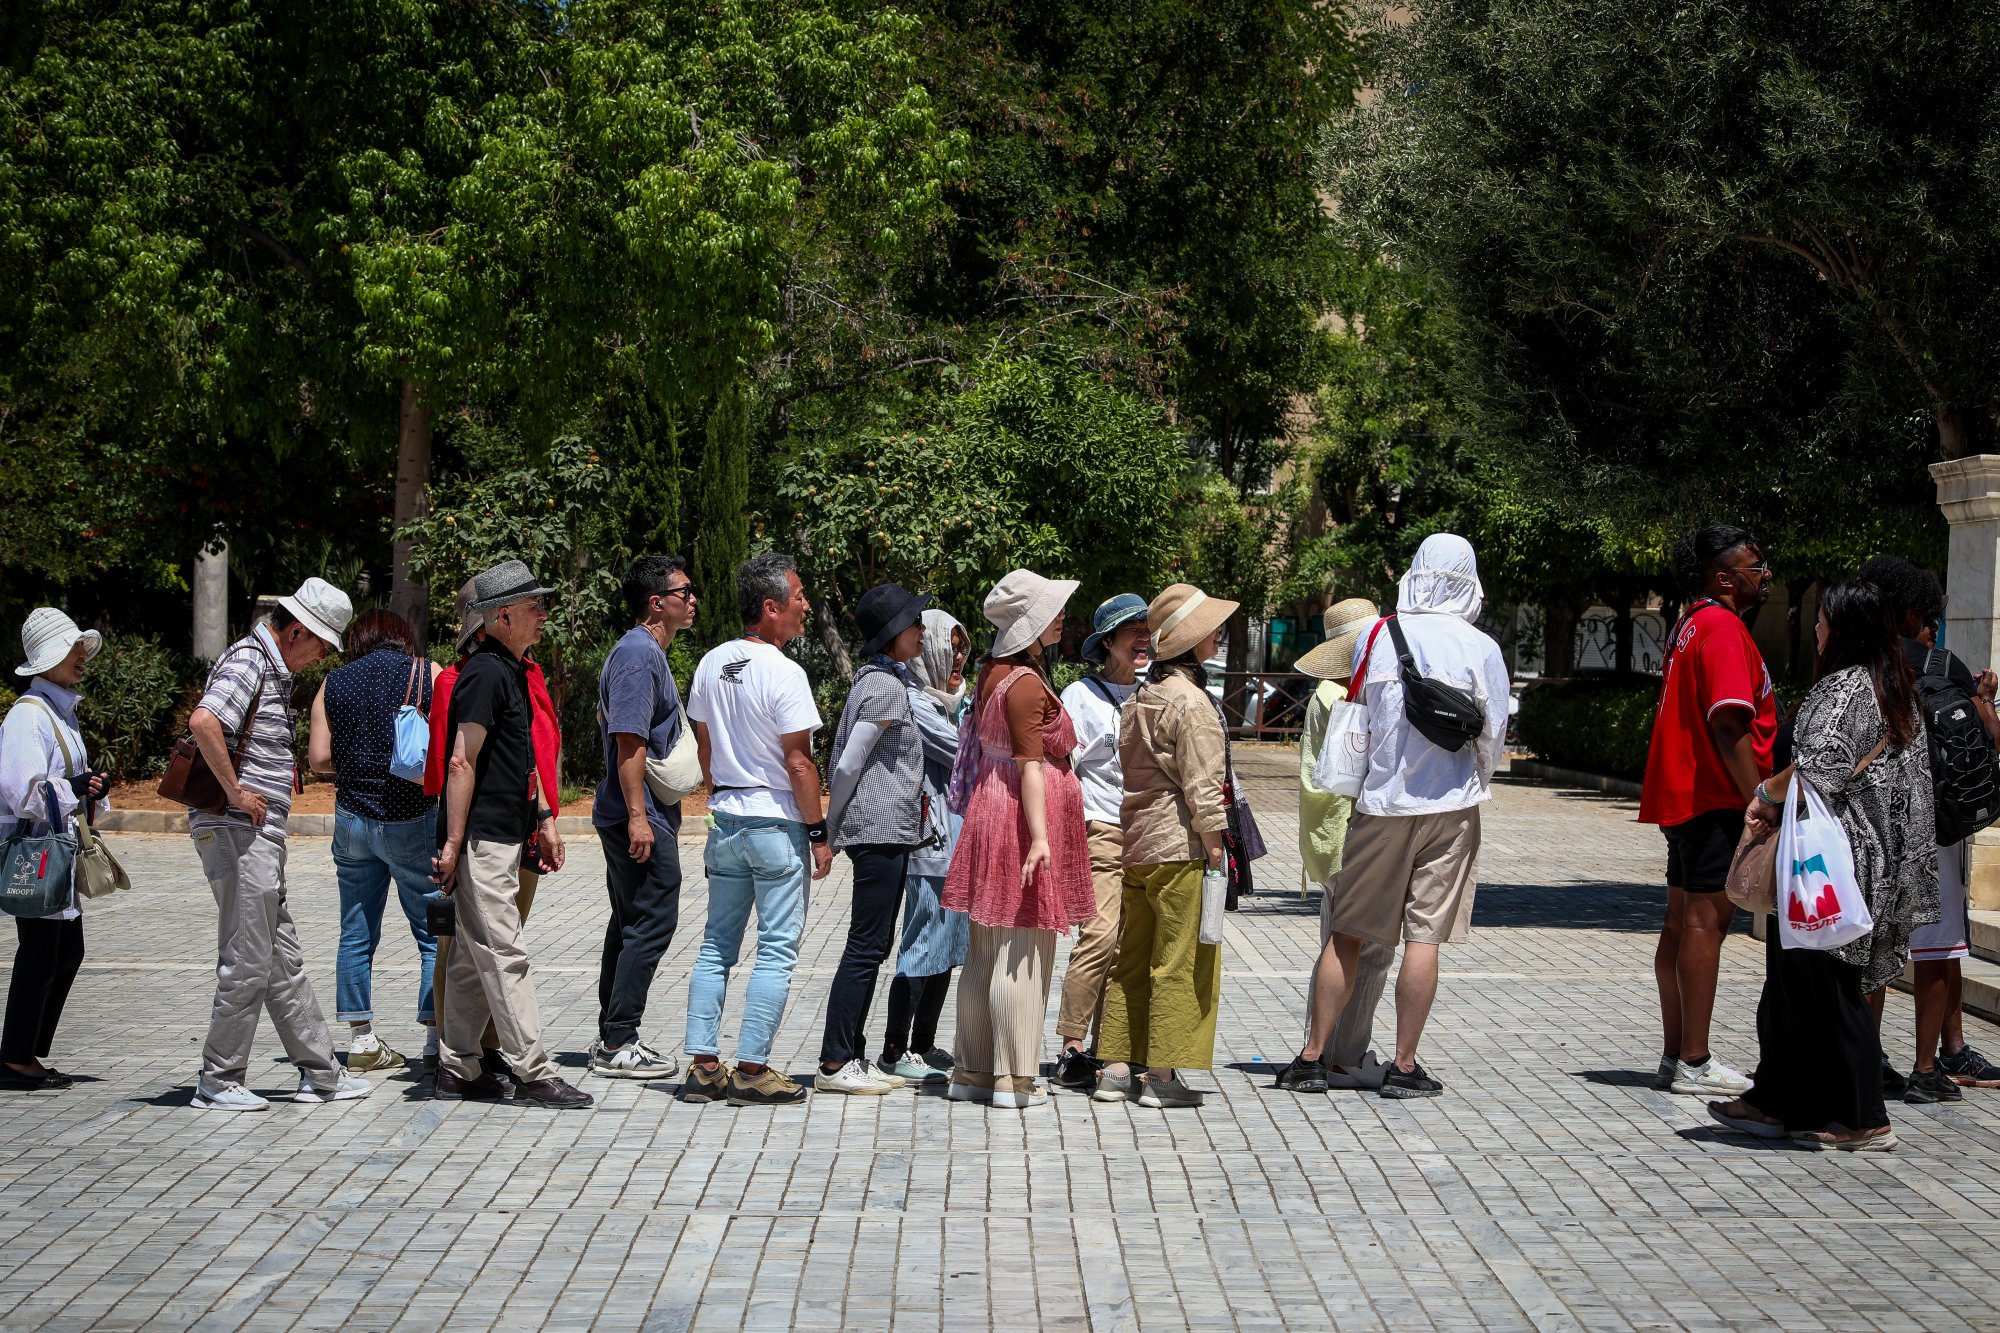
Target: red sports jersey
(1712, 664)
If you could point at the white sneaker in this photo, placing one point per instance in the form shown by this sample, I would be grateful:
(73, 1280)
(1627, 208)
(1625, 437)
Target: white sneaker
(1368, 1074)
(1710, 1078)
(227, 1097)
(633, 1060)
(889, 1076)
(913, 1068)
(856, 1077)
(351, 1087)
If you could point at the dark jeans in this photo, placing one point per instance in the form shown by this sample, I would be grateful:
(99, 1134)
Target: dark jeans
(645, 908)
(915, 1004)
(45, 963)
(1819, 1056)
(878, 896)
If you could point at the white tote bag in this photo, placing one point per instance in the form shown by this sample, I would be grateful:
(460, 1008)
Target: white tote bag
(1342, 766)
(1820, 903)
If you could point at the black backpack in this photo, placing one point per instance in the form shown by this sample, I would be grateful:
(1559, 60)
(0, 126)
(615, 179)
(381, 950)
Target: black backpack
(1965, 770)
(1444, 715)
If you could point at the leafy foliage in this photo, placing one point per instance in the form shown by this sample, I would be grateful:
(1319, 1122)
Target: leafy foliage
(129, 695)
(1599, 726)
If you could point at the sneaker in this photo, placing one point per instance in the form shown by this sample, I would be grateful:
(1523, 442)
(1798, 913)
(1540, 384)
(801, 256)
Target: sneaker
(705, 1083)
(635, 1059)
(348, 1088)
(766, 1087)
(1076, 1070)
(487, 1087)
(374, 1057)
(856, 1078)
(1710, 1078)
(1171, 1092)
(894, 1080)
(1969, 1069)
(1924, 1087)
(1415, 1083)
(1302, 1075)
(912, 1068)
(1893, 1084)
(1018, 1094)
(1367, 1075)
(1663, 1078)
(226, 1097)
(964, 1088)
(1117, 1087)
(937, 1057)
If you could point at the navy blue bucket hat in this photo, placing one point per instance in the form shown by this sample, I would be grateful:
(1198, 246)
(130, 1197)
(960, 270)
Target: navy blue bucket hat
(1120, 610)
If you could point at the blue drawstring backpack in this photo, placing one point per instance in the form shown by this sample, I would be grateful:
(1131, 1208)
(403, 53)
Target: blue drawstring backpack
(413, 730)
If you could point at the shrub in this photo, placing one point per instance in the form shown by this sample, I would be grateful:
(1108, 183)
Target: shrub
(1599, 726)
(129, 696)
(582, 758)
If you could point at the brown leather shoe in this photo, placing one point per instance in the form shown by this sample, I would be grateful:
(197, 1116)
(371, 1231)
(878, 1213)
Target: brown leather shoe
(555, 1094)
(452, 1088)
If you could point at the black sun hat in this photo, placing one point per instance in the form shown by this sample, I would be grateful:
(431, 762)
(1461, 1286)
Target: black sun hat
(884, 611)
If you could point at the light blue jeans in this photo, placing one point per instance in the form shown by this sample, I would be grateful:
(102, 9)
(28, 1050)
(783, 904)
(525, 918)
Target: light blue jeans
(750, 862)
(369, 854)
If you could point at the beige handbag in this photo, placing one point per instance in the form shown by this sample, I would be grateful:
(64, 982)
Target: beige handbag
(678, 774)
(97, 870)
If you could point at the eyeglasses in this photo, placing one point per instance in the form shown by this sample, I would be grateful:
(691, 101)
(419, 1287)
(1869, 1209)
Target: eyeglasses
(686, 591)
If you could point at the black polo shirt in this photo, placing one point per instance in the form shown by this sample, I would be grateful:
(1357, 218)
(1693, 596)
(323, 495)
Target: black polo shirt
(492, 692)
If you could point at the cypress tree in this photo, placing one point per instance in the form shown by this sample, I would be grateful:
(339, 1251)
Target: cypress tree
(722, 527)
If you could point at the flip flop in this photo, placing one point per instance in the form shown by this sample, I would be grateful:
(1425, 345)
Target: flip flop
(1743, 1124)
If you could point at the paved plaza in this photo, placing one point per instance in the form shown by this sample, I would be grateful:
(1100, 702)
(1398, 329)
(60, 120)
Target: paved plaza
(1550, 1188)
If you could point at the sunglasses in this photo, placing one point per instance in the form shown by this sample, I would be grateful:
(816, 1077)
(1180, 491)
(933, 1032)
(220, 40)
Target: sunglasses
(686, 591)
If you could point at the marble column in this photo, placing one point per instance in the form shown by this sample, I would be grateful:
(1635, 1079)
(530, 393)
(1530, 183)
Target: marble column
(211, 602)
(1969, 494)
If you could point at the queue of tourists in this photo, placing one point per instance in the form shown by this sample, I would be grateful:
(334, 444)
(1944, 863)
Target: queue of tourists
(983, 813)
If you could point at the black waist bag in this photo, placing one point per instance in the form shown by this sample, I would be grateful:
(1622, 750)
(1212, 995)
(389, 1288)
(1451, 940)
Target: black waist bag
(1444, 715)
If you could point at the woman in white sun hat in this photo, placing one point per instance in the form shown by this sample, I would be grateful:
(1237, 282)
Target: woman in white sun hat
(1021, 870)
(42, 753)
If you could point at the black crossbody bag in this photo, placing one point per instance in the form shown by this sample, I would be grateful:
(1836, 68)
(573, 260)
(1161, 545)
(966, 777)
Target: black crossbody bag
(1445, 715)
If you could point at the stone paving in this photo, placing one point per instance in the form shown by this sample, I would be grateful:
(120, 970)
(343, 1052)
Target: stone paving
(1550, 1188)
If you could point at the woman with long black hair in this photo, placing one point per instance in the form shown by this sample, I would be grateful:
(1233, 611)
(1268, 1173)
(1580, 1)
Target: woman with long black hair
(1858, 738)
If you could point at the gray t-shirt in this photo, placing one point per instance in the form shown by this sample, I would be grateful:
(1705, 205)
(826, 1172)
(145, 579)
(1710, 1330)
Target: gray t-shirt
(636, 695)
(888, 803)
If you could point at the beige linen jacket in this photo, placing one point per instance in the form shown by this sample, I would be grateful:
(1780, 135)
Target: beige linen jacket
(1170, 743)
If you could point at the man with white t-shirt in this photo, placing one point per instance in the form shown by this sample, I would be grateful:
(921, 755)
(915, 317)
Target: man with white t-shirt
(754, 719)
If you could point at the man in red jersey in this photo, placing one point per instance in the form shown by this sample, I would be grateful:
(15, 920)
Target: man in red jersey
(1711, 746)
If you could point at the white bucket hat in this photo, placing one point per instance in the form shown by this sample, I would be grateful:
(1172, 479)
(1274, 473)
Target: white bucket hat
(1021, 607)
(47, 635)
(321, 608)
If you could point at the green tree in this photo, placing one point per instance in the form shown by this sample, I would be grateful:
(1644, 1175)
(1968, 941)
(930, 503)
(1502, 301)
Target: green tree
(722, 532)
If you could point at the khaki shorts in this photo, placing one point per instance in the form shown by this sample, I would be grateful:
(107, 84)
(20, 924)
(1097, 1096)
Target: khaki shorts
(1408, 878)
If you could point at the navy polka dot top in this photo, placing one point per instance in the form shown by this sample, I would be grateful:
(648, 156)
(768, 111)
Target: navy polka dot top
(361, 702)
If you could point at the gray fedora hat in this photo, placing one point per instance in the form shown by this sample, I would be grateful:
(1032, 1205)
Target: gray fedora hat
(504, 584)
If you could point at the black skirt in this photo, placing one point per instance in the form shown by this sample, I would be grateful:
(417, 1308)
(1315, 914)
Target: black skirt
(1819, 1054)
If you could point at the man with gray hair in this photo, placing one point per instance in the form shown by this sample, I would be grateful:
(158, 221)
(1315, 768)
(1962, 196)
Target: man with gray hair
(243, 727)
(754, 719)
(484, 821)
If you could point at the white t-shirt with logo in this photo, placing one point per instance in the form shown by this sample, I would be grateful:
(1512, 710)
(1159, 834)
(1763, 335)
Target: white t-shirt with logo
(1095, 759)
(748, 694)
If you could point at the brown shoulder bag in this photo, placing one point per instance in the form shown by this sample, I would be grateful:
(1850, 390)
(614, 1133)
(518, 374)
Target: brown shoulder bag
(189, 780)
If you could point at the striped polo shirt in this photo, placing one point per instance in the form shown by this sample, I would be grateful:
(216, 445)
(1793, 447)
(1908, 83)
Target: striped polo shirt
(266, 765)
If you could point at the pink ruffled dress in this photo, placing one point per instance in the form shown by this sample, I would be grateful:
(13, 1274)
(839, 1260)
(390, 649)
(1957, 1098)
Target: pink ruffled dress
(984, 881)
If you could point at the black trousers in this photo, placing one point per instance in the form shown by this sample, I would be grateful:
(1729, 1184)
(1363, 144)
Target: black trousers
(915, 1005)
(645, 909)
(45, 963)
(878, 896)
(1819, 1056)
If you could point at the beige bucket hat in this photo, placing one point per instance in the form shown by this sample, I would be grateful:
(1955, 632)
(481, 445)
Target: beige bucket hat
(1021, 606)
(1344, 620)
(1182, 615)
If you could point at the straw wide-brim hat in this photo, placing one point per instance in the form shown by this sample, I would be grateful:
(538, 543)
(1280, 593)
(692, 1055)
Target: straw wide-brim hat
(1182, 616)
(1333, 659)
(47, 636)
(1021, 606)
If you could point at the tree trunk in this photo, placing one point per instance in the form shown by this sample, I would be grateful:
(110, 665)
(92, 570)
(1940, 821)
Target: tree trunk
(1237, 694)
(1954, 433)
(408, 598)
(1559, 641)
(827, 624)
(1795, 596)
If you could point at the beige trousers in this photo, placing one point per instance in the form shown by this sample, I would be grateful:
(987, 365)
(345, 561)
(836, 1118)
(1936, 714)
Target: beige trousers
(487, 975)
(489, 1040)
(1096, 951)
(1003, 1001)
(1355, 1030)
(259, 965)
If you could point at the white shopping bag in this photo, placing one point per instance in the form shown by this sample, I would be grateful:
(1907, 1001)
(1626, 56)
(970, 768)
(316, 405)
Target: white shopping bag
(1820, 903)
(1342, 765)
(1214, 896)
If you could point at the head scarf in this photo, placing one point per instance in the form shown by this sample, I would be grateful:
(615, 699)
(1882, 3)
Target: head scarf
(1444, 578)
(931, 668)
